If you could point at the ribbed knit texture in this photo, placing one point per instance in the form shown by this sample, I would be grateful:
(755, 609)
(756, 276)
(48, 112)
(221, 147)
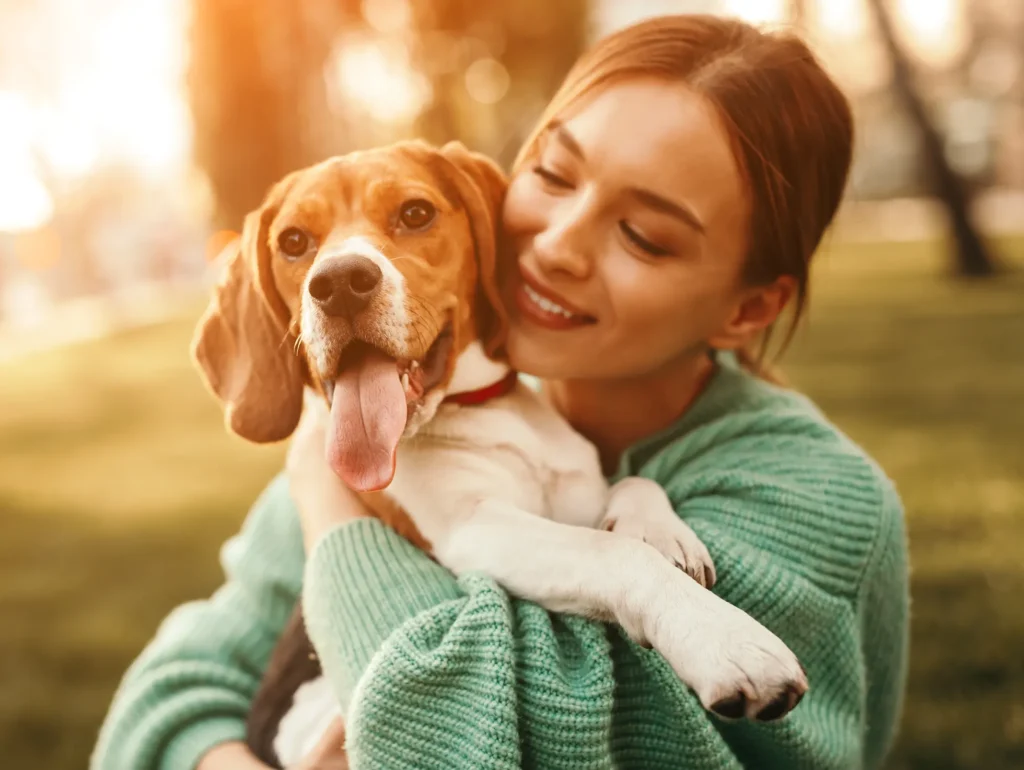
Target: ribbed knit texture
(807, 536)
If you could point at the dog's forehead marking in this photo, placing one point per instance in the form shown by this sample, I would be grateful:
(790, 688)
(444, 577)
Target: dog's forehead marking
(361, 246)
(357, 184)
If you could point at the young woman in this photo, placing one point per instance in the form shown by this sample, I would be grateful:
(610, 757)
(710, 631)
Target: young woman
(659, 221)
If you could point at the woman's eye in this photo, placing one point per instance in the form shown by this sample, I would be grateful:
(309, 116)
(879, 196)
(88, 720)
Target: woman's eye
(551, 177)
(417, 214)
(642, 243)
(293, 242)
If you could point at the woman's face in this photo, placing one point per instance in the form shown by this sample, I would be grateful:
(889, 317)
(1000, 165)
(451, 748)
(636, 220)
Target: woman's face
(630, 227)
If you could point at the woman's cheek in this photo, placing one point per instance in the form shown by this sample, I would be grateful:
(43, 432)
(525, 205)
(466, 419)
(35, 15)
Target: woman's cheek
(651, 301)
(523, 209)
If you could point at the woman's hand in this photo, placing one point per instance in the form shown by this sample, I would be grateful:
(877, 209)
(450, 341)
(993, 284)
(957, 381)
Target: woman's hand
(322, 498)
(328, 754)
(233, 755)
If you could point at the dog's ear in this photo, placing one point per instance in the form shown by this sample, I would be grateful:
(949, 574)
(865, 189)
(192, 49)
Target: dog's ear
(481, 186)
(243, 345)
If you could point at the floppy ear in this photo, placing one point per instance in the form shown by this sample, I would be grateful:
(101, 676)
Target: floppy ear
(243, 345)
(481, 186)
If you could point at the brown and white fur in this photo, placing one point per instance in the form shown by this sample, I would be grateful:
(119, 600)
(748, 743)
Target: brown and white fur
(505, 487)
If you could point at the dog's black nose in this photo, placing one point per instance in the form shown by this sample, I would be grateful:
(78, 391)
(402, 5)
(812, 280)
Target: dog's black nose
(344, 285)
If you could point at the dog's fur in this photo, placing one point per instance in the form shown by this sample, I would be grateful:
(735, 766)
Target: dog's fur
(514, 492)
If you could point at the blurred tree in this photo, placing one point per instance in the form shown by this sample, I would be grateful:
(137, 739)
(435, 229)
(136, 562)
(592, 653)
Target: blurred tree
(262, 106)
(257, 93)
(492, 66)
(972, 255)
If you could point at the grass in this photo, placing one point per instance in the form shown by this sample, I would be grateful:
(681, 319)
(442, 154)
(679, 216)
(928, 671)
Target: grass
(118, 484)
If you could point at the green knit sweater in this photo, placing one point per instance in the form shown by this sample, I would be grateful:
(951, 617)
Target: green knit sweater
(807, 535)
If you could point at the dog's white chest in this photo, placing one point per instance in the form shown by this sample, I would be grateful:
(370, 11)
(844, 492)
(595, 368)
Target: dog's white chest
(313, 709)
(519, 450)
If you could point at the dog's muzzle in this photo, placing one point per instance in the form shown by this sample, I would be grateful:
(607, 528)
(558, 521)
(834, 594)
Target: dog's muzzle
(344, 286)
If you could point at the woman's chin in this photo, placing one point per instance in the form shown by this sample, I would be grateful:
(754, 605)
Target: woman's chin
(540, 354)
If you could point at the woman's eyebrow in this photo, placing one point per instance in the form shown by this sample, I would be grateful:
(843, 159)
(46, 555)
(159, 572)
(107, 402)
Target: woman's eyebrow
(646, 197)
(566, 139)
(665, 206)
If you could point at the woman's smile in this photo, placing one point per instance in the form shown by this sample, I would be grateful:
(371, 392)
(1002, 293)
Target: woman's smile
(540, 305)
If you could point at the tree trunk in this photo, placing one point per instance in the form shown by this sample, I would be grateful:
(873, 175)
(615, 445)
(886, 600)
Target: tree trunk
(972, 257)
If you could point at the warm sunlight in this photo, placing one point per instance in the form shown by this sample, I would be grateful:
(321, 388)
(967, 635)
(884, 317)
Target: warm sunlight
(380, 80)
(125, 92)
(756, 11)
(841, 18)
(24, 201)
(111, 90)
(933, 29)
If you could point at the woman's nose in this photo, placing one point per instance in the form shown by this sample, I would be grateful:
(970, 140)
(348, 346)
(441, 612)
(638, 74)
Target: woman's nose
(563, 245)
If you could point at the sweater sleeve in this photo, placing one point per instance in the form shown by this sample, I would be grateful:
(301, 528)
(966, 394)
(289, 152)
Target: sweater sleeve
(436, 672)
(190, 689)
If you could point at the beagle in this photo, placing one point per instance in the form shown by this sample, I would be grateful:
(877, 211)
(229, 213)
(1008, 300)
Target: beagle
(369, 283)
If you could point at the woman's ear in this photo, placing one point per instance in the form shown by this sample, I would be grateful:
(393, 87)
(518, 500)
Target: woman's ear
(481, 186)
(243, 344)
(757, 309)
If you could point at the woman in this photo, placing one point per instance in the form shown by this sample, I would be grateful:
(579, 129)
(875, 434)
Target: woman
(662, 217)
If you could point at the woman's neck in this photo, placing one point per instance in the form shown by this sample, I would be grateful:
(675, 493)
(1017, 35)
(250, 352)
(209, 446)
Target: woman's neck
(615, 414)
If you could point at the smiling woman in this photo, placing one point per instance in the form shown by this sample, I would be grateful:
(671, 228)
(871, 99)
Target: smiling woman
(669, 244)
(663, 214)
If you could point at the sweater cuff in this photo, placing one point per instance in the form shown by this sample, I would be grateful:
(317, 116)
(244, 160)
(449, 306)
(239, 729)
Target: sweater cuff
(363, 581)
(192, 743)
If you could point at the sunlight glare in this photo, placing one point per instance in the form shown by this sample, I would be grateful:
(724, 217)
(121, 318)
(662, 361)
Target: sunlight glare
(933, 29)
(112, 87)
(842, 18)
(126, 94)
(757, 11)
(25, 203)
(381, 80)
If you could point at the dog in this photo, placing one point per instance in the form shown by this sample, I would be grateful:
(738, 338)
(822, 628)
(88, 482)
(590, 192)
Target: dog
(366, 288)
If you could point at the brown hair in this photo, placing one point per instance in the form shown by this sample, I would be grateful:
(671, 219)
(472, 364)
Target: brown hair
(790, 126)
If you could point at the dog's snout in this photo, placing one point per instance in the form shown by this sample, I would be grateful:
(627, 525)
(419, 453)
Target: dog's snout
(345, 285)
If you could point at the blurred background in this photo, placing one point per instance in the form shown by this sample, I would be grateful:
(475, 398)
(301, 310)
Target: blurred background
(135, 134)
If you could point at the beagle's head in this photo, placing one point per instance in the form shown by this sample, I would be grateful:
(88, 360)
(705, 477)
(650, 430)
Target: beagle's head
(367, 277)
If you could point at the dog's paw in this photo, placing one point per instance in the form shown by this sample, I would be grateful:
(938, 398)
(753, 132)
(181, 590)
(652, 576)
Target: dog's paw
(638, 508)
(737, 667)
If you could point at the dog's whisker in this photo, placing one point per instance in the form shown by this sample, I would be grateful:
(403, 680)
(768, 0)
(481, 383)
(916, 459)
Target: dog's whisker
(295, 345)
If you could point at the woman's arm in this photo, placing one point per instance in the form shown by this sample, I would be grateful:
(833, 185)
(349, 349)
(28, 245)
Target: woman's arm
(190, 689)
(233, 755)
(438, 672)
(328, 754)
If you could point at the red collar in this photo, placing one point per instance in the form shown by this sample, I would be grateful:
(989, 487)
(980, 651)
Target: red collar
(502, 387)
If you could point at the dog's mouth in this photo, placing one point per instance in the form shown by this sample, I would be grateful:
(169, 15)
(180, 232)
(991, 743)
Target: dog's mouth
(418, 377)
(372, 398)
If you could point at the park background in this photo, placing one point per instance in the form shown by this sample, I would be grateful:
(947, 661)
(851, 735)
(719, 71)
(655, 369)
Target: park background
(135, 133)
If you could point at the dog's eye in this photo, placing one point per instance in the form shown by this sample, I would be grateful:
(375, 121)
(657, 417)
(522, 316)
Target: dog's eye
(293, 242)
(417, 214)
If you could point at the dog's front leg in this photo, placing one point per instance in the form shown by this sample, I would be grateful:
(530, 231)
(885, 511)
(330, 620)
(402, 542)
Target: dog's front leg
(718, 650)
(639, 508)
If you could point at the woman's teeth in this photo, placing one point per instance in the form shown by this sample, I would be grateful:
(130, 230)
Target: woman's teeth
(545, 304)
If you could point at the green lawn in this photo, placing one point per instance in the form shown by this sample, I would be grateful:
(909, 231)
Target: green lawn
(118, 484)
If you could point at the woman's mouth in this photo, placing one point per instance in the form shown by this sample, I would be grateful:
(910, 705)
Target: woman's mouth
(547, 310)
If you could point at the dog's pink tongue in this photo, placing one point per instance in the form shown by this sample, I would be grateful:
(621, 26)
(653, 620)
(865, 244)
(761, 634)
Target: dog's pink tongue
(368, 416)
